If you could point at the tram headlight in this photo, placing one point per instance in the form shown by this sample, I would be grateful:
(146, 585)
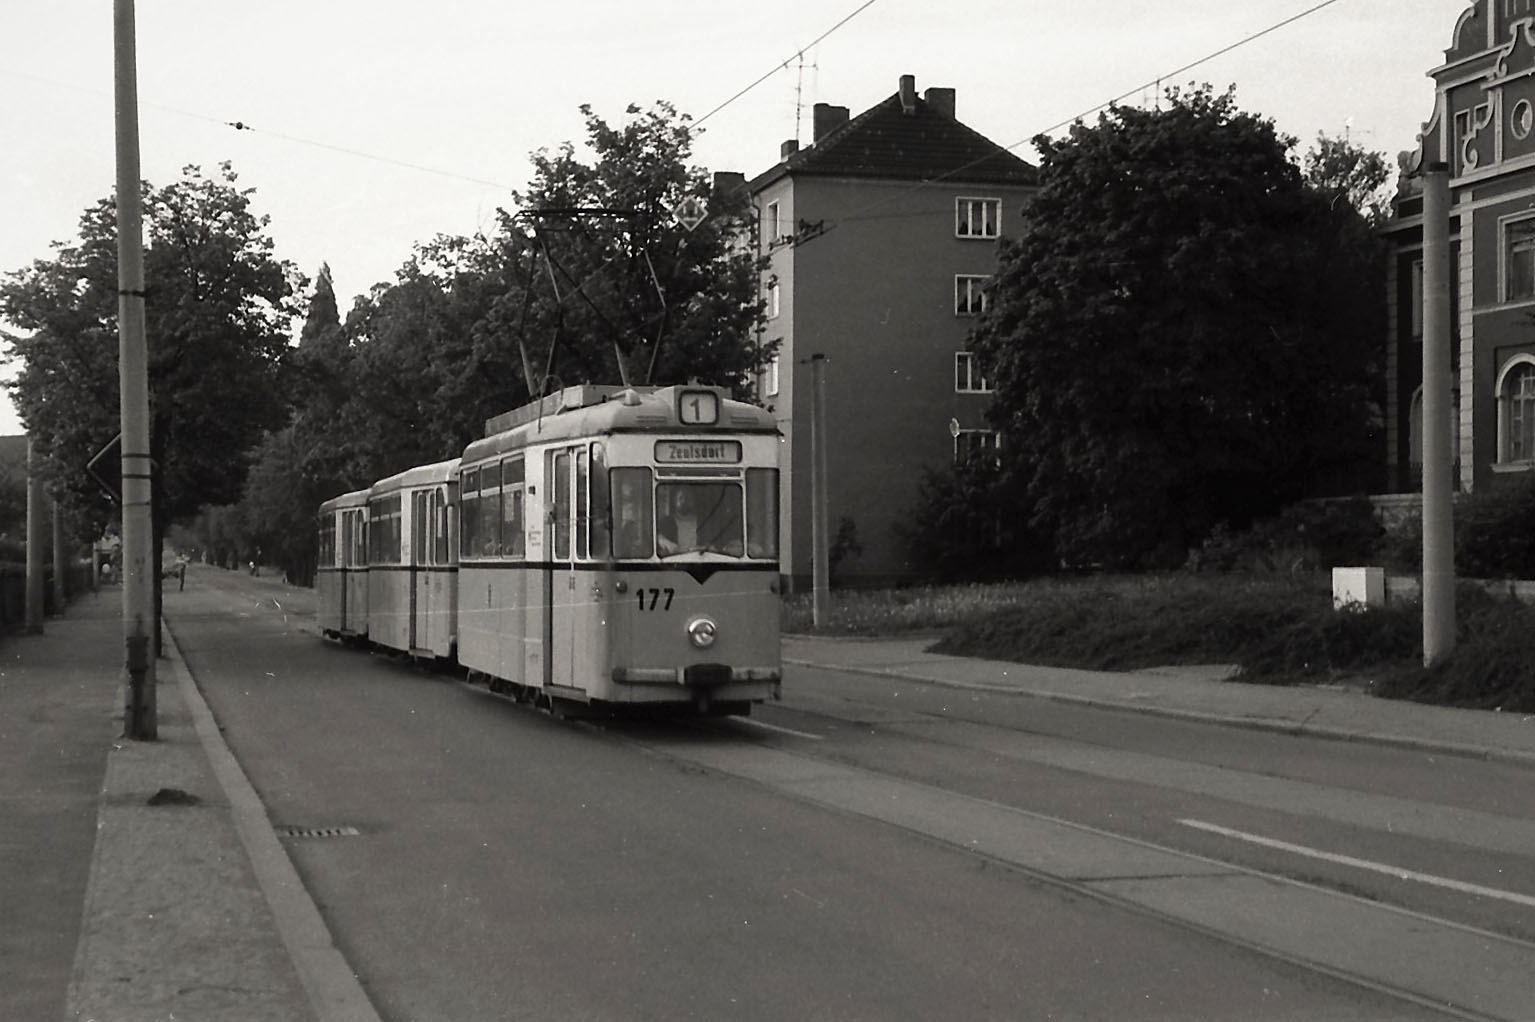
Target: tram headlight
(702, 632)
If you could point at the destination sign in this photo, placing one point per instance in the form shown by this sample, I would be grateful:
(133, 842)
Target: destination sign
(698, 452)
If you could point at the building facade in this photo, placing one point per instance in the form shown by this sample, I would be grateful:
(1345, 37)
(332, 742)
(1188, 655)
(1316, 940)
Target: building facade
(1483, 128)
(880, 237)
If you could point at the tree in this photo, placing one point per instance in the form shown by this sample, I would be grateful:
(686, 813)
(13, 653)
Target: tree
(620, 283)
(578, 287)
(219, 307)
(1349, 173)
(1175, 337)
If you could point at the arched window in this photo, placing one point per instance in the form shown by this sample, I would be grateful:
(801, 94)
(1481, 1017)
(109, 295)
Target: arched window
(1516, 410)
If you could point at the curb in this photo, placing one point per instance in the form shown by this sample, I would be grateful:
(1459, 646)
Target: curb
(332, 986)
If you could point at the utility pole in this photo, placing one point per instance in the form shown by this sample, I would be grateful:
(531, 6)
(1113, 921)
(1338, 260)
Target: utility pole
(139, 717)
(36, 503)
(60, 560)
(820, 564)
(1438, 527)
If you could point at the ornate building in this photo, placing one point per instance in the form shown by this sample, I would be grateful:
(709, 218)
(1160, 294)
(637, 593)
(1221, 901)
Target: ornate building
(1483, 128)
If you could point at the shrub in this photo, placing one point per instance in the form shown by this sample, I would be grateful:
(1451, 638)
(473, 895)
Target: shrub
(965, 529)
(1307, 536)
(1495, 532)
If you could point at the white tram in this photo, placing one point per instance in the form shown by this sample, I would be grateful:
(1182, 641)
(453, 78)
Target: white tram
(413, 562)
(621, 546)
(341, 578)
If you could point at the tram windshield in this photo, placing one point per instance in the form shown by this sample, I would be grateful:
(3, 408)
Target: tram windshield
(673, 517)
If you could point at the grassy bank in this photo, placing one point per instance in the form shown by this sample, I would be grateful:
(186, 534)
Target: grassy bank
(1276, 629)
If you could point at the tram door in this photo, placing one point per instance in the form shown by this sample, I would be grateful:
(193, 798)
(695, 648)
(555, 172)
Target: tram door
(420, 577)
(567, 591)
(430, 585)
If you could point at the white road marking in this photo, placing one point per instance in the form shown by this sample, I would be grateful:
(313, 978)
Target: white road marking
(1375, 867)
(775, 727)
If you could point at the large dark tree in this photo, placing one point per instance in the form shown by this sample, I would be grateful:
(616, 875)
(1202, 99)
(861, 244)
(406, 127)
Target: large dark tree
(1177, 337)
(218, 312)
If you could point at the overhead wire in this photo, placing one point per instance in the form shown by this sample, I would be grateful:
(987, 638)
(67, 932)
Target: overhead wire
(785, 64)
(865, 212)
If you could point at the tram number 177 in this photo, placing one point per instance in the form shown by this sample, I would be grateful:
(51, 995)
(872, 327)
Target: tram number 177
(652, 599)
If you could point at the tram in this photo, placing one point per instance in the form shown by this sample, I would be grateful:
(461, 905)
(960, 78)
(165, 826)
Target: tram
(623, 549)
(413, 562)
(341, 577)
(605, 545)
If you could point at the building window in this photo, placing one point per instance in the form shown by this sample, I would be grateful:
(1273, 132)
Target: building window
(968, 377)
(770, 377)
(1415, 299)
(969, 295)
(977, 218)
(1516, 411)
(772, 224)
(772, 299)
(975, 443)
(1519, 259)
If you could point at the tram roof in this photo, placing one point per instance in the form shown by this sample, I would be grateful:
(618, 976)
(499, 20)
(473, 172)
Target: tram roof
(421, 475)
(356, 498)
(596, 411)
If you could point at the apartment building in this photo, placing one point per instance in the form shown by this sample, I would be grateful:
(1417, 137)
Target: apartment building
(880, 237)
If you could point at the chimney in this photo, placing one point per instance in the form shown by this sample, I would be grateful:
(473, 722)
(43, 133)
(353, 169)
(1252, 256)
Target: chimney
(727, 183)
(788, 149)
(941, 101)
(825, 119)
(908, 94)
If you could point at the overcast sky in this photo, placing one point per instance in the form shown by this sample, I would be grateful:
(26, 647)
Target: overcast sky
(350, 99)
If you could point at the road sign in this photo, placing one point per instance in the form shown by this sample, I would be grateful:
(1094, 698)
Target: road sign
(690, 212)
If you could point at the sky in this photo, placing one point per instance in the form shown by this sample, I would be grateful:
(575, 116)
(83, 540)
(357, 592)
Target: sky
(374, 125)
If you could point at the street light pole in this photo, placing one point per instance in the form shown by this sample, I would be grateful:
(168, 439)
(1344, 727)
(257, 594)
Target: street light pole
(820, 566)
(139, 717)
(1438, 527)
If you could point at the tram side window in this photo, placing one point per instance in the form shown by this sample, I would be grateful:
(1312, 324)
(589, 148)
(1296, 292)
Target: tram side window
(582, 517)
(489, 540)
(355, 538)
(327, 554)
(634, 528)
(419, 550)
(601, 512)
(561, 499)
(513, 479)
(468, 512)
(439, 527)
(762, 512)
(384, 533)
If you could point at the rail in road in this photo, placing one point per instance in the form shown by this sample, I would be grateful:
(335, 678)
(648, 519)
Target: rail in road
(1402, 877)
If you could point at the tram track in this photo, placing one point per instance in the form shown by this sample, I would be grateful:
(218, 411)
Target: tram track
(1417, 957)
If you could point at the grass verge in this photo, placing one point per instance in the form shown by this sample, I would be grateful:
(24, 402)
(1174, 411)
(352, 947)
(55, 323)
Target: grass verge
(1275, 629)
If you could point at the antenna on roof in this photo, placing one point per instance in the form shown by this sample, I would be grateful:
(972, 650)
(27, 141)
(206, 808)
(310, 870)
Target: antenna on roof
(799, 89)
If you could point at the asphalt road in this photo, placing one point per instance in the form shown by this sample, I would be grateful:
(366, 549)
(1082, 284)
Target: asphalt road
(865, 849)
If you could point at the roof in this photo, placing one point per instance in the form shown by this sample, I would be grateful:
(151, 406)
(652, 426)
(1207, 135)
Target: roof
(885, 142)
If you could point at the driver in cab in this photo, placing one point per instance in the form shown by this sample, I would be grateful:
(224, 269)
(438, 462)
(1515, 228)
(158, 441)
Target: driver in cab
(677, 529)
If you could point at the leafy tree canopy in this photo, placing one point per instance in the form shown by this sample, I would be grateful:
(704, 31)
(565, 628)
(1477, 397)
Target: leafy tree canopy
(1176, 337)
(577, 287)
(218, 310)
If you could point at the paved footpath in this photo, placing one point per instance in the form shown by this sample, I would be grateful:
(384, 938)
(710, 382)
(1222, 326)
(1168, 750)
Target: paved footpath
(119, 906)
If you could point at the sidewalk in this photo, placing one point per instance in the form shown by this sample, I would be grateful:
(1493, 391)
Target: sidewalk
(129, 891)
(1193, 693)
(118, 910)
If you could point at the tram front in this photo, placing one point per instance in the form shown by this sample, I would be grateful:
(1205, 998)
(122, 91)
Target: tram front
(687, 523)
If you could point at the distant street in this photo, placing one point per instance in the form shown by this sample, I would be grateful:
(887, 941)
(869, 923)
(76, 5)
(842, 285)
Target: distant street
(866, 849)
